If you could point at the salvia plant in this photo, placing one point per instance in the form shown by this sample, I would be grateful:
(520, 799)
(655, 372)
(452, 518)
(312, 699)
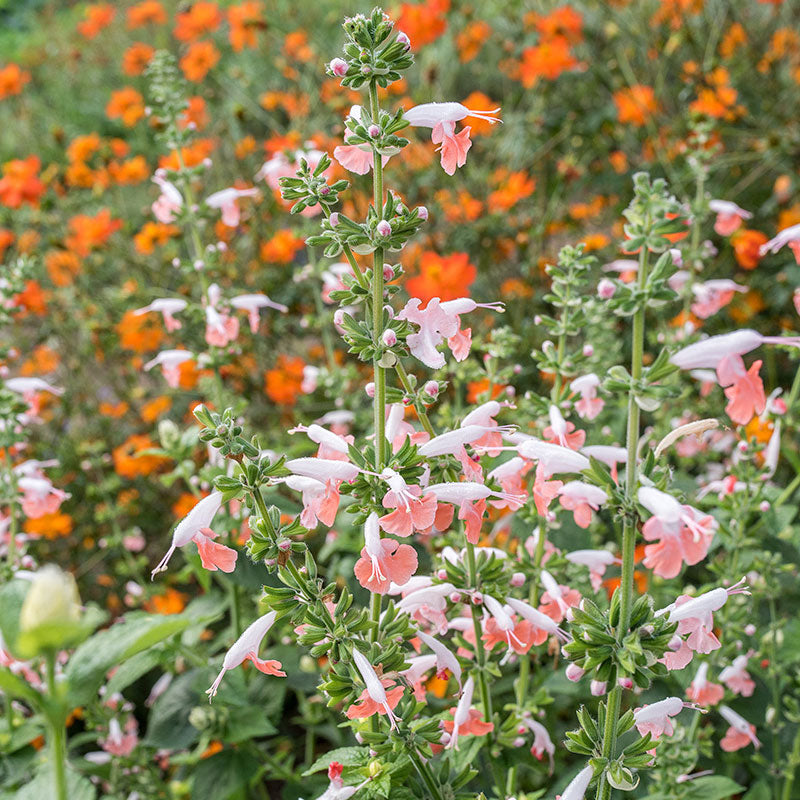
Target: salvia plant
(487, 566)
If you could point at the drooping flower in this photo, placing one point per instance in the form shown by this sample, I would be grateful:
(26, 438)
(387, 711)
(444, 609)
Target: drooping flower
(358, 158)
(552, 457)
(252, 304)
(442, 118)
(167, 307)
(702, 691)
(225, 201)
(323, 469)
(195, 527)
(590, 405)
(445, 660)
(374, 699)
(424, 602)
(581, 498)
(576, 790)
(596, 560)
(739, 734)
(542, 743)
(562, 432)
(788, 236)
(221, 327)
(170, 362)
(655, 718)
(383, 561)
(502, 627)
(320, 500)
(39, 496)
(684, 534)
(711, 296)
(245, 648)
(729, 216)
(119, 743)
(737, 678)
(557, 598)
(169, 202)
(413, 510)
(467, 721)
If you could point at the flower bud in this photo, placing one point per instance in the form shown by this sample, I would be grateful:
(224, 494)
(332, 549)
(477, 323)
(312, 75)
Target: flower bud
(374, 131)
(404, 40)
(606, 289)
(389, 338)
(431, 389)
(422, 213)
(442, 574)
(574, 673)
(598, 688)
(477, 598)
(750, 629)
(383, 228)
(370, 389)
(455, 597)
(518, 579)
(764, 506)
(334, 219)
(625, 683)
(388, 272)
(338, 317)
(588, 351)
(338, 67)
(52, 600)
(518, 742)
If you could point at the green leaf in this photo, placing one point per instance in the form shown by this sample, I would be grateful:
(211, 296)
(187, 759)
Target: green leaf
(89, 664)
(168, 725)
(713, 787)
(224, 774)
(346, 756)
(14, 686)
(42, 787)
(12, 596)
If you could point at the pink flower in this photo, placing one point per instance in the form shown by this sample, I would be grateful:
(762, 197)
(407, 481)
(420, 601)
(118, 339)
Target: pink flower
(245, 648)
(746, 396)
(596, 560)
(737, 678)
(711, 296)
(412, 511)
(467, 721)
(118, 743)
(452, 442)
(194, 527)
(170, 362)
(425, 603)
(581, 498)
(590, 405)
(740, 734)
(323, 469)
(320, 500)
(544, 491)
(252, 304)
(445, 660)
(729, 216)
(374, 699)
(331, 445)
(542, 743)
(655, 718)
(684, 533)
(702, 691)
(383, 561)
(167, 307)
(561, 432)
(169, 201)
(225, 201)
(484, 415)
(440, 321)
(39, 496)
(543, 624)
(576, 790)
(788, 236)
(442, 118)
(502, 627)
(553, 458)
(557, 598)
(221, 328)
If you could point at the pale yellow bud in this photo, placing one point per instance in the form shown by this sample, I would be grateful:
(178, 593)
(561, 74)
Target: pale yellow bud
(52, 599)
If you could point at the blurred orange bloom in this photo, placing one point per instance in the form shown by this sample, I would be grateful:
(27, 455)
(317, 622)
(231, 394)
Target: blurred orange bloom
(43, 360)
(282, 383)
(296, 47)
(245, 20)
(199, 59)
(148, 12)
(513, 187)
(564, 21)
(20, 183)
(49, 526)
(12, 80)
(136, 58)
(424, 22)
(87, 232)
(126, 104)
(141, 333)
(32, 299)
(445, 277)
(674, 12)
(154, 408)
(547, 60)
(128, 463)
(734, 38)
(635, 104)
(82, 148)
(478, 101)
(477, 389)
(195, 112)
(6, 240)
(191, 156)
(127, 173)
(170, 602)
(114, 410)
(153, 234)
(202, 17)
(470, 41)
(280, 249)
(97, 17)
(62, 266)
(746, 243)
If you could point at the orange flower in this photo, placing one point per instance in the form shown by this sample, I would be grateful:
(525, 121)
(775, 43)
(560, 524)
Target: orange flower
(97, 17)
(199, 59)
(244, 147)
(128, 462)
(184, 504)
(130, 172)
(470, 41)
(43, 360)
(674, 12)
(479, 389)
(245, 20)
(282, 383)
(49, 526)
(148, 12)
(32, 299)
(445, 277)
(734, 38)
(114, 410)
(296, 47)
(280, 249)
(126, 104)
(62, 266)
(563, 21)
(195, 112)
(478, 101)
(6, 240)
(87, 232)
(191, 156)
(515, 289)
(546, 60)
(619, 162)
(82, 148)
(513, 188)
(136, 58)
(170, 602)
(20, 183)
(746, 243)
(595, 241)
(201, 18)
(635, 104)
(154, 408)
(424, 22)
(141, 333)
(12, 80)
(152, 234)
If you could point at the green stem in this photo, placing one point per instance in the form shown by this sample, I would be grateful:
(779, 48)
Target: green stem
(421, 411)
(794, 760)
(480, 653)
(58, 733)
(776, 696)
(425, 774)
(629, 525)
